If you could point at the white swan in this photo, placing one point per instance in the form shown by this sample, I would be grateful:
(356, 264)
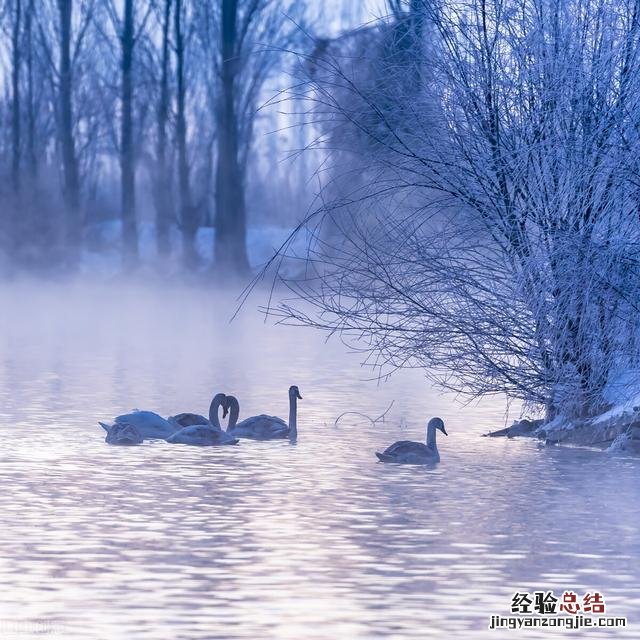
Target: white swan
(206, 434)
(188, 419)
(148, 424)
(121, 433)
(264, 427)
(408, 452)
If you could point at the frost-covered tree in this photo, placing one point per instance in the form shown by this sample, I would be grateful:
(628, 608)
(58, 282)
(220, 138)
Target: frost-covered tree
(490, 236)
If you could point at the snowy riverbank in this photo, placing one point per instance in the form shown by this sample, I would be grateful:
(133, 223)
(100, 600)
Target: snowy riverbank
(617, 430)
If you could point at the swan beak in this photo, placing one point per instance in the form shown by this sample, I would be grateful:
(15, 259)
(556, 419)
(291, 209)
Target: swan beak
(298, 395)
(444, 431)
(225, 410)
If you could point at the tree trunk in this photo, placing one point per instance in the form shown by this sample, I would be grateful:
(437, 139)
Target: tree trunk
(127, 164)
(162, 177)
(188, 219)
(230, 217)
(71, 188)
(16, 61)
(32, 159)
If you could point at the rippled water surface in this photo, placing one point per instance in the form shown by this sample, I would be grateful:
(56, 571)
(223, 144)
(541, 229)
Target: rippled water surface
(270, 540)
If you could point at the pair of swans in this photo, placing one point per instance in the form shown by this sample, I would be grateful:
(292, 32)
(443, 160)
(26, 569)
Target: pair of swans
(262, 427)
(195, 429)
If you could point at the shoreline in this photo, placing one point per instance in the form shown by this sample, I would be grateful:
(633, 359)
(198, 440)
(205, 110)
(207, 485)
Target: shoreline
(619, 432)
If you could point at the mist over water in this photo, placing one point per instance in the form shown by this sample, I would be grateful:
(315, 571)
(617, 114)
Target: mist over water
(270, 540)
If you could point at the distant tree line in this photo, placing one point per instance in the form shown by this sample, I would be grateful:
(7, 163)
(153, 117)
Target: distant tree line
(164, 92)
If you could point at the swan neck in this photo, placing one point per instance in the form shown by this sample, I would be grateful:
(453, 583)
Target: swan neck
(213, 410)
(431, 437)
(234, 411)
(293, 417)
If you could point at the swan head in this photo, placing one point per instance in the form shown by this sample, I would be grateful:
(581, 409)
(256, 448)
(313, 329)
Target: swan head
(294, 392)
(228, 403)
(438, 424)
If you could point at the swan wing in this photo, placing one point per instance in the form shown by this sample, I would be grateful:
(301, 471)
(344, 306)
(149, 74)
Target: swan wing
(261, 427)
(148, 423)
(141, 417)
(188, 419)
(201, 435)
(408, 452)
(404, 446)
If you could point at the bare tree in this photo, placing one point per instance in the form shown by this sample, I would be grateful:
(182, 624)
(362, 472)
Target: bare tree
(128, 30)
(71, 188)
(127, 160)
(245, 40)
(16, 64)
(32, 109)
(493, 238)
(162, 189)
(230, 249)
(188, 217)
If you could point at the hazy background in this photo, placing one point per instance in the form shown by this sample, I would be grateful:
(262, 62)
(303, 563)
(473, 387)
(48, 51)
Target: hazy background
(124, 139)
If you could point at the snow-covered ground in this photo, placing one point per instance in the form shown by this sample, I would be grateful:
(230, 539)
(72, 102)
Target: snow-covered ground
(616, 430)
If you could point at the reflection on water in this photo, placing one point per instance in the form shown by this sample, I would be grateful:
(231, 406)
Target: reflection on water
(270, 540)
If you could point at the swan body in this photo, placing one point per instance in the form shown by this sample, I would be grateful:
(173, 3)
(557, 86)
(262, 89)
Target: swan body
(121, 433)
(408, 452)
(264, 427)
(202, 435)
(148, 423)
(187, 420)
(261, 427)
(200, 431)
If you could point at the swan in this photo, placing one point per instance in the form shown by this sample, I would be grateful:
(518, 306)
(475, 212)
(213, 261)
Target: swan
(408, 452)
(188, 419)
(148, 424)
(204, 433)
(264, 427)
(121, 433)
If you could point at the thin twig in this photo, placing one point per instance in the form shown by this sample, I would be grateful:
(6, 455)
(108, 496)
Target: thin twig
(374, 421)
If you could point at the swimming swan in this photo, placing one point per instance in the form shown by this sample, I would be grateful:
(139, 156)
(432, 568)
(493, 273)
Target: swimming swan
(188, 419)
(265, 427)
(205, 434)
(148, 424)
(408, 452)
(121, 433)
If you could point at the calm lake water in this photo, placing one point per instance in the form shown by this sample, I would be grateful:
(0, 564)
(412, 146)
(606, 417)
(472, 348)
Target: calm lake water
(270, 540)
